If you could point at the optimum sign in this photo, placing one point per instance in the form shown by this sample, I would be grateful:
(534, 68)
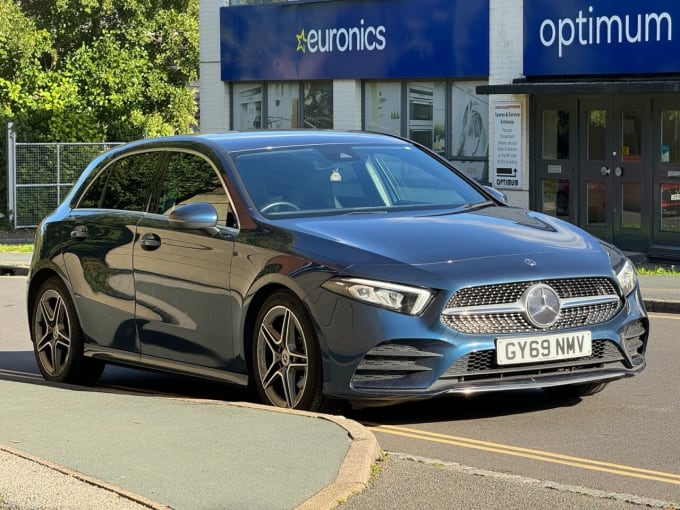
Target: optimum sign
(355, 39)
(600, 37)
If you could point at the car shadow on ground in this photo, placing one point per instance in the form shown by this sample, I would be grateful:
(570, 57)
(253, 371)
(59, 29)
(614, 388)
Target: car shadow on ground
(20, 366)
(461, 408)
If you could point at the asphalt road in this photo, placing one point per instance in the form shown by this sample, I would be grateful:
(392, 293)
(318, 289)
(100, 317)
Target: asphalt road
(624, 440)
(621, 446)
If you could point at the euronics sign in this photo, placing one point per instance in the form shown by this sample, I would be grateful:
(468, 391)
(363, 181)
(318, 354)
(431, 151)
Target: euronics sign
(587, 37)
(355, 39)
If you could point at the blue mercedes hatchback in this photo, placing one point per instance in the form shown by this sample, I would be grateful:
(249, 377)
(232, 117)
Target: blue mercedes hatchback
(323, 266)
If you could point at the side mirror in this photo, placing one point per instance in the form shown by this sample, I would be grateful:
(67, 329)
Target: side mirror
(197, 215)
(497, 194)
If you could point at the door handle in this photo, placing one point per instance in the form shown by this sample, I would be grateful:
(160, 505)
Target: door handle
(605, 171)
(79, 232)
(618, 171)
(150, 242)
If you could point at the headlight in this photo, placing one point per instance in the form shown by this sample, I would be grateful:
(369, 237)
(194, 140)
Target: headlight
(623, 268)
(627, 277)
(399, 298)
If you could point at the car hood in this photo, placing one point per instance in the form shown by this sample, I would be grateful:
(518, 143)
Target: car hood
(493, 243)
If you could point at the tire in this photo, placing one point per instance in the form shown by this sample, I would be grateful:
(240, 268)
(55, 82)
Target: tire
(58, 338)
(286, 360)
(575, 390)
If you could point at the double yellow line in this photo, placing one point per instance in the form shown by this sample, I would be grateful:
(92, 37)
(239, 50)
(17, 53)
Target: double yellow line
(528, 453)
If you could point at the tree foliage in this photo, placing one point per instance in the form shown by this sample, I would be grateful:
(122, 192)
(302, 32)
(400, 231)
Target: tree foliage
(98, 70)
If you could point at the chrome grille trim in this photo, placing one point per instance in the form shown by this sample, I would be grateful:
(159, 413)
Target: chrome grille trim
(499, 309)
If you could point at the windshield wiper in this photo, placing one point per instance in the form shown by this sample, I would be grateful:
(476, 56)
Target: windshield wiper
(467, 208)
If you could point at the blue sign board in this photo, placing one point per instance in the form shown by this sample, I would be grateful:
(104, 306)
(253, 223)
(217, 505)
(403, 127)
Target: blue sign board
(355, 39)
(601, 37)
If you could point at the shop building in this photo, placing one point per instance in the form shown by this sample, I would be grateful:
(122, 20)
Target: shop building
(570, 108)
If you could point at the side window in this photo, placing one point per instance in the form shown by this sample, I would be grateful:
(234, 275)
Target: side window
(125, 184)
(190, 178)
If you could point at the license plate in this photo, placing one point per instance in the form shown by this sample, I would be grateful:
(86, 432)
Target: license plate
(535, 349)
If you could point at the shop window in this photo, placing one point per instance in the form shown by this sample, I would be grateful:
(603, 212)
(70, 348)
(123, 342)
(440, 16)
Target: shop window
(247, 106)
(317, 106)
(631, 201)
(556, 197)
(555, 126)
(426, 110)
(670, 207)
(470, 130)
(455, 127)
(382, 107)
(670, 136)
(283, 105)
(470, 117)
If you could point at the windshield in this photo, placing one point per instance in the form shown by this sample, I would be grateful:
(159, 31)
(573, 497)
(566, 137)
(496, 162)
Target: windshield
(346, 179)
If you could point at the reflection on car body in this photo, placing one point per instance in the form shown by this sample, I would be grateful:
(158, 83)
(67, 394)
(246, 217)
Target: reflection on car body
(320, 267)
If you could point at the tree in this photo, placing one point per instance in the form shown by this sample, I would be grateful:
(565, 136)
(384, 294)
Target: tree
(98, 70)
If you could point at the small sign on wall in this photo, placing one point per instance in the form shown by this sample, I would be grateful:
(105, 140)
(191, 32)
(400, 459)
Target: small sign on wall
(507, 144)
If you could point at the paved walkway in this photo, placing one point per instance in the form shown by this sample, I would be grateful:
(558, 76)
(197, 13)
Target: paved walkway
(132, 451)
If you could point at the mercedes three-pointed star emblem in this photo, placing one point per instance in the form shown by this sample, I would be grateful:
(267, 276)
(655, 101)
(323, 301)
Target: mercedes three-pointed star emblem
(542, 305)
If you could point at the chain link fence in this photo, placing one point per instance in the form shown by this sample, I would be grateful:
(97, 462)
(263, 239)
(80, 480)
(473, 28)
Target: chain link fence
(43, 175)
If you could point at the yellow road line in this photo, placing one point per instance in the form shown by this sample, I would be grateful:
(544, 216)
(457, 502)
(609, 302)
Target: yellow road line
(671, 316)
(529, 453)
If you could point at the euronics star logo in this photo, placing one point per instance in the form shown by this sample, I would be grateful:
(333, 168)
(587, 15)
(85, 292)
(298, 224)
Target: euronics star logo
(301, 41)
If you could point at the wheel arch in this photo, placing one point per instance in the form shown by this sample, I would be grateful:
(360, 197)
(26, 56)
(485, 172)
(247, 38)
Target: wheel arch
(36, 281)
(254, 307)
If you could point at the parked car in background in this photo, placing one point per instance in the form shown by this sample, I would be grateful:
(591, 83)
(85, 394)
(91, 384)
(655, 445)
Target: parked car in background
(323, 266)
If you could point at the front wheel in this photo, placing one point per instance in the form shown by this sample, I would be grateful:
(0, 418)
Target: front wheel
(286, 359)
(58, 338)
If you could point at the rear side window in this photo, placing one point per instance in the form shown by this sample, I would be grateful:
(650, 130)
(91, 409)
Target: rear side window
(125, 185)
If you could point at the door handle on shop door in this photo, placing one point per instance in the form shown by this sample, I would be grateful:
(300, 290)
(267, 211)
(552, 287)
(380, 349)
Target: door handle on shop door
(605, 171)
(150, 242)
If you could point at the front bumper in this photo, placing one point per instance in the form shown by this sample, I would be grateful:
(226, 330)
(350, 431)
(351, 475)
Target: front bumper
(412, 366)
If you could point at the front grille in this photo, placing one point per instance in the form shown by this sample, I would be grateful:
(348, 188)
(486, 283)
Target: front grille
(472, 308)
(482, 364)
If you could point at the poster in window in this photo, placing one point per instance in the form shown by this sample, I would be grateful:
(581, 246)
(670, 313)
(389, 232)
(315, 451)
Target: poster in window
(247, 106)
(383, 107)
(282, 105)
(317, 109)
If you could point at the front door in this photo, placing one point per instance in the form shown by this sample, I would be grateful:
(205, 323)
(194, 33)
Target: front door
(614, 158)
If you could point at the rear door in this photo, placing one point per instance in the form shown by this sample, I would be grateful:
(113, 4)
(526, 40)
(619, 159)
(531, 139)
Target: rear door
(98, 239)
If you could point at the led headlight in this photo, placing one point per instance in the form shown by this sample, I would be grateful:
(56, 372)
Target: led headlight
(627, 277)
(400, 298)
(623, 268)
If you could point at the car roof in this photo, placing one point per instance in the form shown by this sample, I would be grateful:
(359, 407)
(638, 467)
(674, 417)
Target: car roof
(236, 141)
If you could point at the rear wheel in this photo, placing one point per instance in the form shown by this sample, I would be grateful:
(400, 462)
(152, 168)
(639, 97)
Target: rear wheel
(286, 359)
(58, 338)
(575, 390)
